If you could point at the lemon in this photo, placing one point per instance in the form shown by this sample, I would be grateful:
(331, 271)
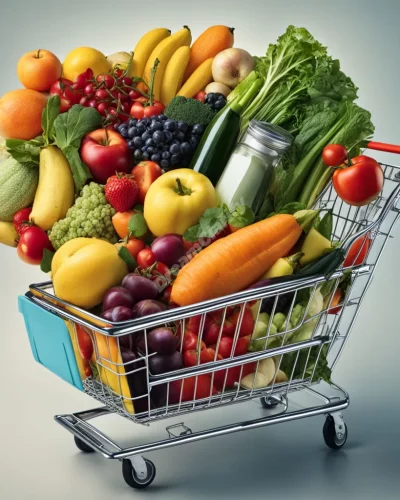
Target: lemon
(82, 58)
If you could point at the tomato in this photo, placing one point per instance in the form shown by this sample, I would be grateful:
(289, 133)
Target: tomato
(336, 300)
(68, 94)
(208, 355)
(360, 183)
(212, 327)
(145, 173)
(358, 251)
(21, 220)
(226, 345)
(84, 342)
(134, 94)
(190, 342)
(247, 324)
(191, 389)
(145, 258)
(32, 244)
(134, 246)
(106, 80)
(232, 375)
(142, 108)
(191, 358)
(334, 155)
(200, 96)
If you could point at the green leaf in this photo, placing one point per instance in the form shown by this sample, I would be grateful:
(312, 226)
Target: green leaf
(128, 258)
(80, 171)
(137, 226)
(25, 151)
(49, 115)
(47, 259)
(192, 234)
(139, 208)
(325, 225)
(241, 217)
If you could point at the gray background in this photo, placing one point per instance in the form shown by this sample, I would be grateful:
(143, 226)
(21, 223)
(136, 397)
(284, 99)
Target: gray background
(38, 458)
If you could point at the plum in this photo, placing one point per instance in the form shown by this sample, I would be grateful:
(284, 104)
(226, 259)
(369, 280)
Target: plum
(140, 288)
(162, 340)
(168, 249)
(147, 307)
(117, 296)
(163, 363)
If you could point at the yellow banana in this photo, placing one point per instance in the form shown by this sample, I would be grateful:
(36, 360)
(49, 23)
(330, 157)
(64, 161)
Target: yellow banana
(198, 80)
(55, 193)
(173, 75)
(144, 48)
(163, 52)
(8, 234)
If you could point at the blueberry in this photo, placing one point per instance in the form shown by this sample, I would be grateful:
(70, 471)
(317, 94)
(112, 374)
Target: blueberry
(121, 127)
(149, 141)
(175, 141)
(137, 155)
(141, 129)
(144, 148)
(164, 164)
(132, 132)
(156, 158)
(186, 148)
(131, 145)
(158, 137)
(170, 125)
(162, 117)
(211, 98)
(146, 155)
(156, 126)
(145, 136)
(194, 141)
(151, 150)
(219, 104)
(179, 135)
(166, 155)
(182, 126)
(198, 129)
(175, 159)
(165, 147)
(137, 141)
(124, 133)
(175, 149)
(168, 135)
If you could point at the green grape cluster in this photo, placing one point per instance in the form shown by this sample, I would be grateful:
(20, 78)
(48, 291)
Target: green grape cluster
(89, 217)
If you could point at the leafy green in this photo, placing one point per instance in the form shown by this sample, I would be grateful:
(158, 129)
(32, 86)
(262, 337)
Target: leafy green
(128, 258)
(137, 226)
(25, 151)
(69, 129)
(310, 363)
(49, 115)
(45, 265)
(242, 216)
(326, 224)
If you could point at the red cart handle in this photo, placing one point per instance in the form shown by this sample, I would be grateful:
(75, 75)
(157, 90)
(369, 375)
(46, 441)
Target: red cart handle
(381, 146)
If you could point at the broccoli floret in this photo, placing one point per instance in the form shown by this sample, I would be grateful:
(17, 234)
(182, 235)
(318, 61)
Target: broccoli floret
(89, 217)
(190, 111)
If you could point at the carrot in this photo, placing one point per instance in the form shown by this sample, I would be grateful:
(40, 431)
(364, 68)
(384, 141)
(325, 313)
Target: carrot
(212, 41)
(232, 263)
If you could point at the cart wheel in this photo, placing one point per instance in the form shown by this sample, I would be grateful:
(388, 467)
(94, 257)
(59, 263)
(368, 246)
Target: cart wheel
(269, 402)
(131, 477)
(83, 446)
(332, 439)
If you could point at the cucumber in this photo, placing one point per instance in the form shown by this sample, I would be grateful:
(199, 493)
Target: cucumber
(326, 265)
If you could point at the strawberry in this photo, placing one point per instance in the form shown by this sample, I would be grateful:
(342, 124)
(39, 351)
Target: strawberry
(122, 192)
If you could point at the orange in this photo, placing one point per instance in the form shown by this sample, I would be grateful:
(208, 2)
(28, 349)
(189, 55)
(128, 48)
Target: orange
(38, 70)
(21, 114)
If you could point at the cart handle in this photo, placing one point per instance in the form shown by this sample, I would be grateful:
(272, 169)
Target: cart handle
(382, 146)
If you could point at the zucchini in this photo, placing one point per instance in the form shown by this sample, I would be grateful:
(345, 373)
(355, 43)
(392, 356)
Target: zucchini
(326, 265)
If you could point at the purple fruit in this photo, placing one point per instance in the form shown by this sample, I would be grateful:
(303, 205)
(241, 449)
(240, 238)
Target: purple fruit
(140, 288)
(163, 363)
(107, 315)
(147, 307)
(162, 340)
(121, 313)
(117, 296)
(168, 249)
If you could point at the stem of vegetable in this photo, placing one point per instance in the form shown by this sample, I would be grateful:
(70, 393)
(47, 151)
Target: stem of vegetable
(38, 54)
(153, 74)
(305, 218)
(181, 189)
(241, 102)
(126, 72)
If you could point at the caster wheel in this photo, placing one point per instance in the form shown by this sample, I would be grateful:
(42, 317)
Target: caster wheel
(81, 445)
(131, 477)
(269, 403)
(331, 438)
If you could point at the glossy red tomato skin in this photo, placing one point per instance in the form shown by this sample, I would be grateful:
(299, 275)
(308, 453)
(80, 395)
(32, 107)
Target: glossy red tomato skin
(358, 251)
(334, 155)
(32, 243)
(360, 183)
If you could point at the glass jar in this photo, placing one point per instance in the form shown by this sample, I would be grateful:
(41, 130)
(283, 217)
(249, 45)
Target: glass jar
(251, 167)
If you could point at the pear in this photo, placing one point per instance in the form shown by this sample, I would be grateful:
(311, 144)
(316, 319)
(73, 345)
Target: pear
(120, 59)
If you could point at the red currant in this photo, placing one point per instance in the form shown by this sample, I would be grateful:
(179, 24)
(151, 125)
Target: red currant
(93, 103)
(106, 80)
(102, 94)
(89, 89)
(126, 80)
(102, 108)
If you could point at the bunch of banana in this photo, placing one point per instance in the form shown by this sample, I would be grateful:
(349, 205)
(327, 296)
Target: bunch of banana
(56, 191)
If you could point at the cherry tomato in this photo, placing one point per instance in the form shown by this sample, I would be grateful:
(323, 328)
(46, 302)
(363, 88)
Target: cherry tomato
(336, 300)
(101, 94)
(127, 80)
(200, 96)
(208, 355)
(247, 324)
(191, 388)
(102, 108)
(141, 108)
(358, 251)
(226, 345)
(191, 358)
(134, 94)
(334, 155)
(32, 244)
(134, 246)
(82, 79)
(190, 342)
(106, 80)
(360, 183)
(84, 341)
(145, 258)
(21, 220)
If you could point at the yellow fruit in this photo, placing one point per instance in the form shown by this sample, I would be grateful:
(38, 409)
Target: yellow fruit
(198, 80)
(314, 246)
(173, 75)
(84, 269)
(56, 192)
(119, 59)
(145, 47)
(8, 234)
(163, 52)
(82, 58)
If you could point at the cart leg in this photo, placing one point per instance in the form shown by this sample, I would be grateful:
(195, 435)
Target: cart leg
(335, 431)
(138, 472)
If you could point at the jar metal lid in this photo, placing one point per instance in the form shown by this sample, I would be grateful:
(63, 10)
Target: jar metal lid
(272, 136)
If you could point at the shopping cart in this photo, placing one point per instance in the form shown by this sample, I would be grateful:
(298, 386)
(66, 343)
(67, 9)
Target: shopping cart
(111, 361)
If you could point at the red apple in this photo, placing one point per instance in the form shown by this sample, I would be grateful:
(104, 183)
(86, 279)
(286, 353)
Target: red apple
(105, 152)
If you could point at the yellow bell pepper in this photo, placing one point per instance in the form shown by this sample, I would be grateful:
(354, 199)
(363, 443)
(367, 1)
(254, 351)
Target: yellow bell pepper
(177, 200)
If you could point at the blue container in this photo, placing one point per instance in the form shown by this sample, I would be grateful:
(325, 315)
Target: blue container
(50, 341)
